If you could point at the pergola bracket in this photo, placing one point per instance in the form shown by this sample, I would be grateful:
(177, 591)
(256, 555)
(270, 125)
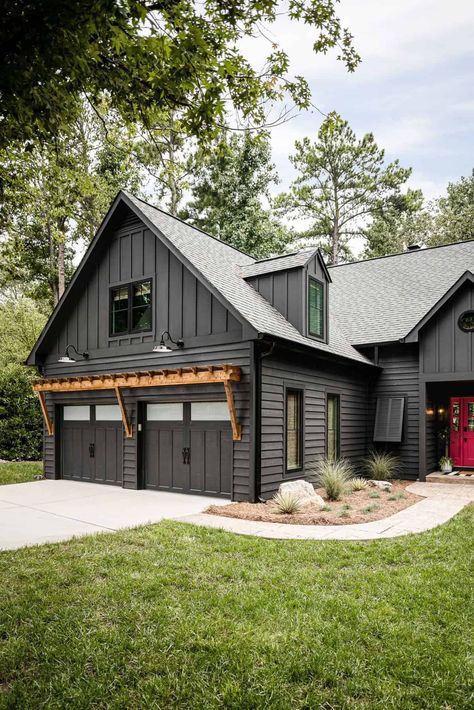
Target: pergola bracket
(236, 427)
(126, 422)
(46, 417)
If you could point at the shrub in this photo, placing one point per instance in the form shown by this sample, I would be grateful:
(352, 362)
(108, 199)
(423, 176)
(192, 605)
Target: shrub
(286, 503)
(333, 476)
(358, 484)
(381, 465)
(371, 508)
(21, 426)
(374, 494)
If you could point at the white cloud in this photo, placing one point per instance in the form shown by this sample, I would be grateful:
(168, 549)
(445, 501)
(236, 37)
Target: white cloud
(405, 134)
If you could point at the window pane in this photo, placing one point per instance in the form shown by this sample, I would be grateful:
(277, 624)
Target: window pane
(163, 412)
(210, 411)
(119, 322)
(316, 308)
(293, 430)
(108, 413)
(332, 426)
(80, 413)
(142, 294)
(141, 318)
(120, 298)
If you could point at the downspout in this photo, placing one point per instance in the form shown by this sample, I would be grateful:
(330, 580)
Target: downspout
(254, 487)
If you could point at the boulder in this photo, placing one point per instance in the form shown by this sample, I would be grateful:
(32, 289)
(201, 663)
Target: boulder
(383, 485)
(303, 490)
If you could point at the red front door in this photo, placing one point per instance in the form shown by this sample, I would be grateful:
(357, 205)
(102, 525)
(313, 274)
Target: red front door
(461, 438)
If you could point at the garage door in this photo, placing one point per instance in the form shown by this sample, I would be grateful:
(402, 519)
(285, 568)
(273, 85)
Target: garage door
(188, 448)
(91, 444)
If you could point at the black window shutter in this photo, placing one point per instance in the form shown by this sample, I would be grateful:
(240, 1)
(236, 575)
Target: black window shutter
(389, 419)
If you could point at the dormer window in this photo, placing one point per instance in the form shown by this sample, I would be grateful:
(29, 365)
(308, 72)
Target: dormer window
(316, 308)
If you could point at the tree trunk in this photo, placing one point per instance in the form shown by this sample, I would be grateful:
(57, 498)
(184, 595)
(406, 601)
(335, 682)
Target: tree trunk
(335, 243)
(61, 272)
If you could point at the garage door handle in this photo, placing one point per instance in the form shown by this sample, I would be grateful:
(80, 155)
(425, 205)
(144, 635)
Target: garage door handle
(186, 454)
(91, 450)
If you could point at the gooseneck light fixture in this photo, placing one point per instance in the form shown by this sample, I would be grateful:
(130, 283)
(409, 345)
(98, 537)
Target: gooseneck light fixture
(66, 357)
(163, 348)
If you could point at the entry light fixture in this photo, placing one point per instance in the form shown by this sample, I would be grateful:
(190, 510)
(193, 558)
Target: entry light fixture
(163, 348)
(66, 357)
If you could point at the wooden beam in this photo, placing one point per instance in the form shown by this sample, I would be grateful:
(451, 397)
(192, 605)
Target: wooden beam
(236, 427)
(126, 423)
(160, 378)
(46, 417)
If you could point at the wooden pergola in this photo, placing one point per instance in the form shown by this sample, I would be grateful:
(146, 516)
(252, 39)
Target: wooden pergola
(199, 375)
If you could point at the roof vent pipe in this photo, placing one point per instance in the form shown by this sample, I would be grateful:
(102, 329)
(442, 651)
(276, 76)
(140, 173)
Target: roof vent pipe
(413, 247)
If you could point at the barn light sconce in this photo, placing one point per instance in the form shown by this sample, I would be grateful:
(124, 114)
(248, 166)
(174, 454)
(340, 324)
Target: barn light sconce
(67, 359)
(429, 411)
(441, 410)
(163, 348)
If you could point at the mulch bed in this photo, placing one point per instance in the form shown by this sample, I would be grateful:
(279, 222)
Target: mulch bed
(358, 507)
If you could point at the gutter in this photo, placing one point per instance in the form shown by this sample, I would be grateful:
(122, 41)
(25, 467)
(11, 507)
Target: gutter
(258, 356)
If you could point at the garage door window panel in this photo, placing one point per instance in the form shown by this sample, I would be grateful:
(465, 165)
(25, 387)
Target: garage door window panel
(77, 413)
(209, 412)
(165, 412)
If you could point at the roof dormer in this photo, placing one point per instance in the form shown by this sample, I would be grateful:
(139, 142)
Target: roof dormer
(297, 286)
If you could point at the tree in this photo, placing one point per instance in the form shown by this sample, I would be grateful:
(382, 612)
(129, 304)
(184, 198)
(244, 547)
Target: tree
(453, 215)
(55, 194)
(342, 181)
(21, 425)
(401, 221)
(148, 57)
(228, 195)
(21, 323)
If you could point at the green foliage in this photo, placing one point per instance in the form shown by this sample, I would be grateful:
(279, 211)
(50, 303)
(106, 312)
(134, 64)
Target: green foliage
(397, 496)
(231, 184)
(382, 465)
(21, 323)
(453, 215)
(371, 508)
(399, 222)
(333, 476)
(286, 503)
(374, 494)
(341, 181)
(178, 616)
(20, 472)
(21, 424)
(357, 484)
(55, 195)
(148, 58)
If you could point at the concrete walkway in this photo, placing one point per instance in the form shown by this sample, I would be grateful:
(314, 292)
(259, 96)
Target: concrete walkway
(51, 511)
(440, 503)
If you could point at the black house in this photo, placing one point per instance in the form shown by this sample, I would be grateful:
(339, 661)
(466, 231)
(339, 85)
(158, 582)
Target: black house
(175, 362)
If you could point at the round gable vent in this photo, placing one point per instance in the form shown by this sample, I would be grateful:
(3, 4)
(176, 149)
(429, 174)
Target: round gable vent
(466, 321)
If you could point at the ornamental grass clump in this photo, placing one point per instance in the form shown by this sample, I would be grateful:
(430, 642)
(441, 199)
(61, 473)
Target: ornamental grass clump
(286, 503)
(382, 466)
(357, 484)
(333, 476)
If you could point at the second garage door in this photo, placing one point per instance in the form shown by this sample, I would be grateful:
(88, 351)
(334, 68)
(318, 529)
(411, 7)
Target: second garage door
(188, 448)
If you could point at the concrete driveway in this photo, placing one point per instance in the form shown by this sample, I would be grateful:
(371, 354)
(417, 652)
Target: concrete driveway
(49, 511)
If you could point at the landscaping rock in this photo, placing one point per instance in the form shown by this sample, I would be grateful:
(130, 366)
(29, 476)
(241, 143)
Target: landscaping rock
(303, 490)
(383, 485)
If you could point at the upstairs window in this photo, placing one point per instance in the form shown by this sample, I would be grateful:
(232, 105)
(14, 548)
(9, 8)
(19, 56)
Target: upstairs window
(131, 308)
(316, 308)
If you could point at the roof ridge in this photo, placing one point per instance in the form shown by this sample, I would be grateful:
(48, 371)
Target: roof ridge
(401, 253)
(191, 226)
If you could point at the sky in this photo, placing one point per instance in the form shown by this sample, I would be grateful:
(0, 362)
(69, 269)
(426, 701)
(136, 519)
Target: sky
(414, 88)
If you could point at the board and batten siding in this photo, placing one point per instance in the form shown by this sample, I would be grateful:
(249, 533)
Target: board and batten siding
(236, 354)
(181, 303)
(400, 378)
(316, 380)
(444, 347)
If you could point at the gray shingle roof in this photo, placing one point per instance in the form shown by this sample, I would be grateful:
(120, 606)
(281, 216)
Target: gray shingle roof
(381, 300)
(278, 263)
(221, 265)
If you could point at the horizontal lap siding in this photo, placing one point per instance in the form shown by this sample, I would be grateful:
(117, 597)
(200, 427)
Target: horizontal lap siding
(400, 378)
(317, 381)
(236, 354)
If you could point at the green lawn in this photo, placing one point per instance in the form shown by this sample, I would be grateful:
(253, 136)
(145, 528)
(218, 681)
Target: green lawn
(174, 616)
(19, 471)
